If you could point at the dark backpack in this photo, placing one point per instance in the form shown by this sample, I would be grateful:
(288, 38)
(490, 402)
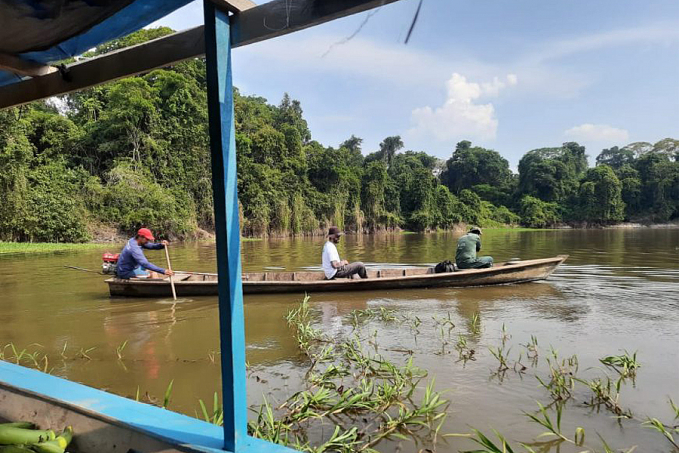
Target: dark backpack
(445, 266)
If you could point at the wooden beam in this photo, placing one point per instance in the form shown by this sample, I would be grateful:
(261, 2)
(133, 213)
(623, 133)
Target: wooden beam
(280, 17)
(266, 21)
(111, 66)
(234, 6)
(24, 67)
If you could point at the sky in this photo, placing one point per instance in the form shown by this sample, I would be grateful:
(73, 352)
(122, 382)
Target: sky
(507, 75)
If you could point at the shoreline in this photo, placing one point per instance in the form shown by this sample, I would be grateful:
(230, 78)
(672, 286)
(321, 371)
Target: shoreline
(24, 248)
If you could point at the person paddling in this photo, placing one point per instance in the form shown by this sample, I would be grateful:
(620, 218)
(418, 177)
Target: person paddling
(132, 262)
(333, 266)
(467, 247)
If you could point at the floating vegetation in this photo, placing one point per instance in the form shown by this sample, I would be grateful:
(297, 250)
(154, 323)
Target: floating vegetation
(349, 386)
(464, 352)
(299, 319)
(359, 317)
(663, 429)
(562, 375)
(606, 393)
(475, 324)
(502, 357)
(626, 365)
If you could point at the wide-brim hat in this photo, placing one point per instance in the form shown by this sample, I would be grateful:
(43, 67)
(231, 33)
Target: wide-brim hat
(334, 231)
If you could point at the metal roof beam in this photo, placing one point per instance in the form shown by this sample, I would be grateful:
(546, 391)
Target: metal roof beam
(259, 23)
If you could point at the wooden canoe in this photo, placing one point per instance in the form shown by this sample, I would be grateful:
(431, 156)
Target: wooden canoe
(310, 282)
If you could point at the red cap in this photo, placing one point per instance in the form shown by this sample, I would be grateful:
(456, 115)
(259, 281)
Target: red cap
(146, 233)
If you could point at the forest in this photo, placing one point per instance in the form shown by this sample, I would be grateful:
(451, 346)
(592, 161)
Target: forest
(134, 153)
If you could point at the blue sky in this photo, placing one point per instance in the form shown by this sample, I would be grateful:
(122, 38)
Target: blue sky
(508, 75)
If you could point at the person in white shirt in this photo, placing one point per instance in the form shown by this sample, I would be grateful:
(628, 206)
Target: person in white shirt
(333, 266)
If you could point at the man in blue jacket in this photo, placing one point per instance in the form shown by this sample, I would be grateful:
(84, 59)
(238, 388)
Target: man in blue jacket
(133, 264)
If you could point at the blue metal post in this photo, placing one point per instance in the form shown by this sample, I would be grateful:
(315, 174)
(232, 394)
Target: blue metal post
(223, 151)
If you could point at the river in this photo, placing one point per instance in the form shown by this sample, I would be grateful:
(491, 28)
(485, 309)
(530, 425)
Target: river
(619, 290)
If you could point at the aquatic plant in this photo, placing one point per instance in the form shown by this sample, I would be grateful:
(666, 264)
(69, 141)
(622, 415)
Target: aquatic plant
(299, 319)
(532, 352)
(168, 395)
(475, 327)
(561, 376)
(666, 431)
(383, 314)
(216, 417)
(626, 365)
(350, 386)
(501, 355)
(605, 392)
(119, 350)
(543, 419)
(489, 446)
(675, 408)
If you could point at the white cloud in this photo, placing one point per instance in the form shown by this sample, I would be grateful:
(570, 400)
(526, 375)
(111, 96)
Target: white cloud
(359, 57)
(659, 33)
(597, 133)
(461, 116)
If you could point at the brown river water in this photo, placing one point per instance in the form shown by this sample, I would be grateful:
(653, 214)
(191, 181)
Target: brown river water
(619, 290)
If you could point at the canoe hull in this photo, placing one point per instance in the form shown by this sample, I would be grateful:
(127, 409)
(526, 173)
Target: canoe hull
(502, 274)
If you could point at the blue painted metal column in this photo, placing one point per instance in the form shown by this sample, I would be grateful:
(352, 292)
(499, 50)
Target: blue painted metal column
(224, 185)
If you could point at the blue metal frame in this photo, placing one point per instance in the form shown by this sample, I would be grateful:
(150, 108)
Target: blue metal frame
(227, 230)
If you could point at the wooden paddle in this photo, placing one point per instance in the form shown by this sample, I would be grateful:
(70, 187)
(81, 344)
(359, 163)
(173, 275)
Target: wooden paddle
(169, 266)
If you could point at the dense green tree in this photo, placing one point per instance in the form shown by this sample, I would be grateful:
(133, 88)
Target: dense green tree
(615, 157)
(472, 166)
(16, 154)
(668, 147)
(659, 186)
(600, 196)
(631, 189)
(537, 213)
(552, 174)
(373, 188)
(388, 149)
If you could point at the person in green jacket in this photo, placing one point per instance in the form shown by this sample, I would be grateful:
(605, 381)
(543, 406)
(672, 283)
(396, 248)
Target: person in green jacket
(467, 247)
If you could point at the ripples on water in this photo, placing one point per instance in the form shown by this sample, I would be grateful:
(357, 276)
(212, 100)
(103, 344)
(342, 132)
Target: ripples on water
(618, 290)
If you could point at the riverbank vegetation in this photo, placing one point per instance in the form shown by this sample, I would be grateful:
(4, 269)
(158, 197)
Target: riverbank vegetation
(16, 248)
(134, 153)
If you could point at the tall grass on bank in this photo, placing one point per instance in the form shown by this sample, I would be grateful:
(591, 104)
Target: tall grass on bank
(21, 248)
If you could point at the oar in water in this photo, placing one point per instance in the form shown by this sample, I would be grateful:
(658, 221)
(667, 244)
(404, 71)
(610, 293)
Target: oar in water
(169, 266)
(84, 270)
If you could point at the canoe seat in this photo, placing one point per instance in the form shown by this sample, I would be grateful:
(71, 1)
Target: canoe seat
(386, 273)
(309, 276)
(419, 271)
